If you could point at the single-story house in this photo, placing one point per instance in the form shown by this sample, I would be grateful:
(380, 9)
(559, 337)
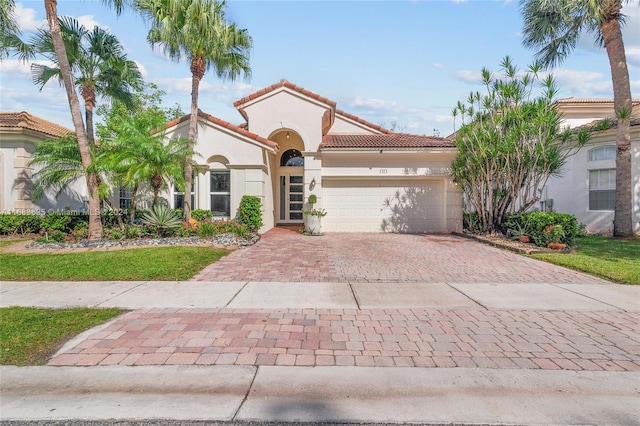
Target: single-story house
(586, 187)
(295, 143)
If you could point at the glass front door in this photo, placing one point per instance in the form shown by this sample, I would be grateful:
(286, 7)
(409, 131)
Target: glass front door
(291, 198)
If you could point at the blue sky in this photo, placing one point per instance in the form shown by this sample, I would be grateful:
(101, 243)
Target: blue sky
(407, 62)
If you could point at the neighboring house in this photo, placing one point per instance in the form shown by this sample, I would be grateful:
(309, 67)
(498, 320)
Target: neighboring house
(296, 143)
(19, 134)
(586, 188)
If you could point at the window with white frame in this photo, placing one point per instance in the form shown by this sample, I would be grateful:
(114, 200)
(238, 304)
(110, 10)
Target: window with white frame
(602, 189)
(220, 193)
(126, 196)
(178, 195)
(602, 153)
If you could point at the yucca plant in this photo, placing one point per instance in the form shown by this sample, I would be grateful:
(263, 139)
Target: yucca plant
(162, 220)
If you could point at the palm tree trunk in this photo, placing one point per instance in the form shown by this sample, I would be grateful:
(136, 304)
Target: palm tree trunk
(95, 225)
(622, 223)
(197, 72)
(89, 95)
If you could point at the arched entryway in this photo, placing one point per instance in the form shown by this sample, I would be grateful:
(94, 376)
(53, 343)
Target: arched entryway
(289, 184)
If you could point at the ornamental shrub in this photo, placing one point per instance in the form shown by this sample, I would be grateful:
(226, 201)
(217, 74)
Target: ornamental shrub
(537, 222)
(201, 214)
(250, 212)
(13, 223)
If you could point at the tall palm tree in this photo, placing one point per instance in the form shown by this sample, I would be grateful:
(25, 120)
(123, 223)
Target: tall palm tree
(554, 27)
(198, 31)
(98, 63)
(51, 9)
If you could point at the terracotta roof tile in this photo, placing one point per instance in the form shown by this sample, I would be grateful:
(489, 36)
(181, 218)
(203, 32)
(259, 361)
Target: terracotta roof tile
(25, 120)
(598, 125)
(361, 121)
(284, 83)
(225, 124)
(386, 141)
(572, 100)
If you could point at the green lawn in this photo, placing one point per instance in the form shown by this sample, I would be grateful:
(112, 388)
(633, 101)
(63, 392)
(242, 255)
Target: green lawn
(613, 259)
(157, 263)
(29, 336)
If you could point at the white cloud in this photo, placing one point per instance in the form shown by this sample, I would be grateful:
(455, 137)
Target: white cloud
(89, 22)
(26, 18)
(440, 66)
(459, 1)
(582, 83)
(142, 69)
(16, 68)
(218, 91)
(473, 77)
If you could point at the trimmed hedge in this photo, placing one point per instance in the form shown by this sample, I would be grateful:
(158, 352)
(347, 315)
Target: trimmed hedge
(534, 224)
(250, 212)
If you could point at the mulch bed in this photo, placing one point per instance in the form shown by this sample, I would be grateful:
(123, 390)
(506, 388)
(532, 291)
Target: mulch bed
(512, 245)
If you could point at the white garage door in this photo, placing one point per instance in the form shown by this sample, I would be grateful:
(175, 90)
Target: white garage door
(392, 206)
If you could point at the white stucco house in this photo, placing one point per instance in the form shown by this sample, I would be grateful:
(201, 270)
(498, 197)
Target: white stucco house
(19, 134)
(295, 143)
(586, 187)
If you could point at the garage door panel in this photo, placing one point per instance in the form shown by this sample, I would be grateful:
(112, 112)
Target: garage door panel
(362, 206)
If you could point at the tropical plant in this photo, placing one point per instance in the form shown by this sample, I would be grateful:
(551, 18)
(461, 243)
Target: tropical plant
(198, 31)
(133, 147)
(51, 9)
(509, 145)
(554, 26)
(554, 234)
(10, 33)
(162, 220)
(98, 63)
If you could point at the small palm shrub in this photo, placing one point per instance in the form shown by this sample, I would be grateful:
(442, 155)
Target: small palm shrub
(162, 220)
(250, 212)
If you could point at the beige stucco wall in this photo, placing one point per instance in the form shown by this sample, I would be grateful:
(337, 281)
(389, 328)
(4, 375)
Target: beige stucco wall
(344, 125)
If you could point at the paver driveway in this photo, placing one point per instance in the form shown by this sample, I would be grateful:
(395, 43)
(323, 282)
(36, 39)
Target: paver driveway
(285, 255)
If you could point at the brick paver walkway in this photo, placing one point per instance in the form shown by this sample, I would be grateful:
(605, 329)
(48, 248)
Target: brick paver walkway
(283, 255)
(550, 340)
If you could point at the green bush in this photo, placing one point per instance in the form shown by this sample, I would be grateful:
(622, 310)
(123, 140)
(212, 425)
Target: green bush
(537, 222)
(206, 229)
(20, 223)
(471, 222)
(250, 212)
(201, 214)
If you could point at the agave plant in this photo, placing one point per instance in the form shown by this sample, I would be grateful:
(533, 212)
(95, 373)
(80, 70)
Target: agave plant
(162, 219)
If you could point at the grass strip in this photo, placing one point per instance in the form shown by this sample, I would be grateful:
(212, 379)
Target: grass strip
(30, 336)
(157, 263)
(613, 259)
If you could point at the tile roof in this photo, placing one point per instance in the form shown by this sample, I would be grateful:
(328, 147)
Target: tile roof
(386, 141)
(225, 124)
(599, 124)
(361, 121)
(572, 100)
(284, 83)
(25, 120)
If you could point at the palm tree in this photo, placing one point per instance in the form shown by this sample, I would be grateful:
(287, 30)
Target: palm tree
(10, 32)
(554, 27)
(139, 156)
(59, 164)
(198, 31)
(98, 63)
(51, 9)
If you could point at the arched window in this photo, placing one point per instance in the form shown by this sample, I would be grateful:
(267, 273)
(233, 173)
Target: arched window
(292, 158)
(602, 153)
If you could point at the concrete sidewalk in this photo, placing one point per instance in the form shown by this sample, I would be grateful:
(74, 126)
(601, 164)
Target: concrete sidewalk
(274, 295)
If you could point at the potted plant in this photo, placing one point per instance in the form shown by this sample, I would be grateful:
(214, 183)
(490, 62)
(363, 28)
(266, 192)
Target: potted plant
(313, 217)
(521, 232)
(555, 236)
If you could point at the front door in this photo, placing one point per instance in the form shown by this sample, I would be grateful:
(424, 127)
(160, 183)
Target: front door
(291, 194)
